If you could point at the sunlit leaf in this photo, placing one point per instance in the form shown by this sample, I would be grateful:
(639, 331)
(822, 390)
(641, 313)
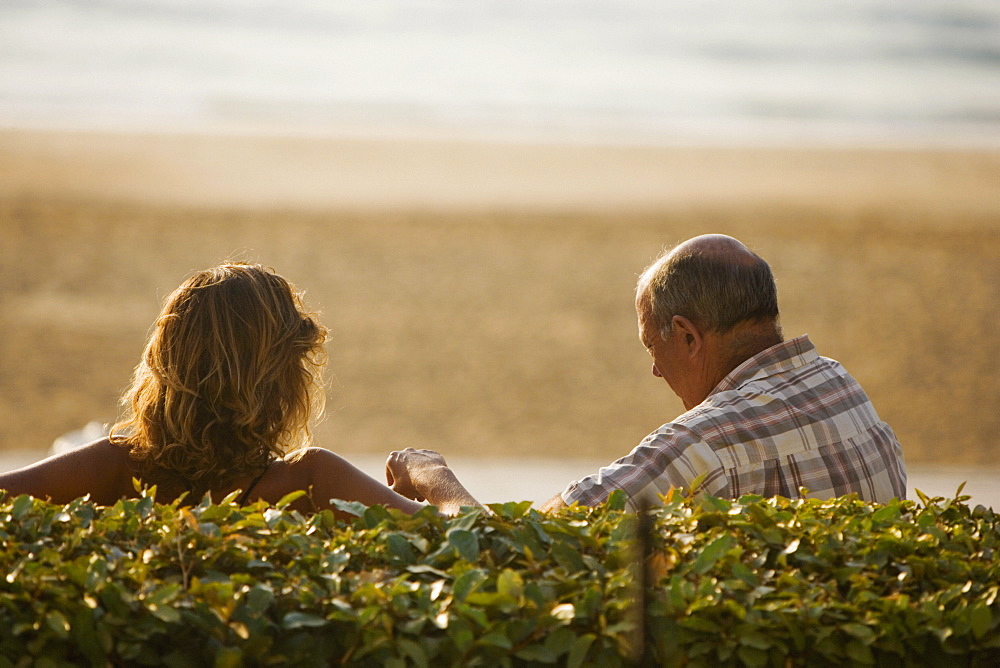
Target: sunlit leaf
(712, 553)
(467, 582)
(20, 506)
(399, 547)
(290, 498)
(298, 620)
(510, 584)
(165, 613)
(465, 543)
(617, 500)
(564, 612)
(355, 508)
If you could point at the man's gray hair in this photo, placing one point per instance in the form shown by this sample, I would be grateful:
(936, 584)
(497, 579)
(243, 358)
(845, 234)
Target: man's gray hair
(710, 291)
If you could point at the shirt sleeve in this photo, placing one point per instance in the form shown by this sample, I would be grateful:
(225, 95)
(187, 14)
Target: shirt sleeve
(670, 457)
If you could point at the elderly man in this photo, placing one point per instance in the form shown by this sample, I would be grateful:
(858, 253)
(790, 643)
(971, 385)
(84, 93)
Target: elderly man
(764, 416)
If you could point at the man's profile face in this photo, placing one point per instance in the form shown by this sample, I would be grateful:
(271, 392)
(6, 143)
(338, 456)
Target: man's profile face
(665, 364)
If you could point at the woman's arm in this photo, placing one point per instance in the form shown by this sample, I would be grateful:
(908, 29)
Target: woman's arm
(99, 469)
(330, 476)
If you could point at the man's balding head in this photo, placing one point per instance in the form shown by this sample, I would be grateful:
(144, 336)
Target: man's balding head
(714, 281)
(719, 246)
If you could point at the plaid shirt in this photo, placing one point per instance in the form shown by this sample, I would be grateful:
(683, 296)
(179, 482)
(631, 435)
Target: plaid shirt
(786, 418)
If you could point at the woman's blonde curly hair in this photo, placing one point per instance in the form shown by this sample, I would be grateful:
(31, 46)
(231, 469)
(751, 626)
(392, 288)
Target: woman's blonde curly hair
(229, 380)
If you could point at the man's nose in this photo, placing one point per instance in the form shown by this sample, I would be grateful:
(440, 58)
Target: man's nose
(656, 372)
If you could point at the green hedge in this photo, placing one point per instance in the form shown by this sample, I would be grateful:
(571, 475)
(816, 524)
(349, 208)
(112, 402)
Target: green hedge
(754, 582)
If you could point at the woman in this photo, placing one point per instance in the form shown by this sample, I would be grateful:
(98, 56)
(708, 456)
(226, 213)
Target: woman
(220, 402)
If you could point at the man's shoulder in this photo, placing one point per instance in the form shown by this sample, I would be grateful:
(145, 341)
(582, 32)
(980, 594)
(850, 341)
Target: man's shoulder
(697, 424)
(795, 377)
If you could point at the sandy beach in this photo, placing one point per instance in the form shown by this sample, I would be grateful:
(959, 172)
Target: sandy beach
(479, 294)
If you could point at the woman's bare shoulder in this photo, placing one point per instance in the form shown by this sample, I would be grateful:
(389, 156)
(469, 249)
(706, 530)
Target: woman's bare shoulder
(301, 469)
(325, 475)
(100, 469)
(287, 475)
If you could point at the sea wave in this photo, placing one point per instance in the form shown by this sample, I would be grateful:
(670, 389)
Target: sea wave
(759, 68)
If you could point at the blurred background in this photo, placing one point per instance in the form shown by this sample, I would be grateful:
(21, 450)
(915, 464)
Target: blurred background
(467, 194)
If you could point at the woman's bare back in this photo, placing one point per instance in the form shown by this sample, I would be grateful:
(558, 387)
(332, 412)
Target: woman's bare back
(105, 472)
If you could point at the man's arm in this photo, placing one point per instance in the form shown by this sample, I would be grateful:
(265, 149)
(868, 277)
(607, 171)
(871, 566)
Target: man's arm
(554, 504)
(424, 475)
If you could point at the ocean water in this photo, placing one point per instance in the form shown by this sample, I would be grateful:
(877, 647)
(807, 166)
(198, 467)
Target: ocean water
(644, 70)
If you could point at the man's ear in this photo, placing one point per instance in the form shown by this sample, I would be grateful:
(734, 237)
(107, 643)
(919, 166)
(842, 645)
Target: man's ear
(690, 334)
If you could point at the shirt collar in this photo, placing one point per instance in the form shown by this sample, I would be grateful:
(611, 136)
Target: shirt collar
(778, 358)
